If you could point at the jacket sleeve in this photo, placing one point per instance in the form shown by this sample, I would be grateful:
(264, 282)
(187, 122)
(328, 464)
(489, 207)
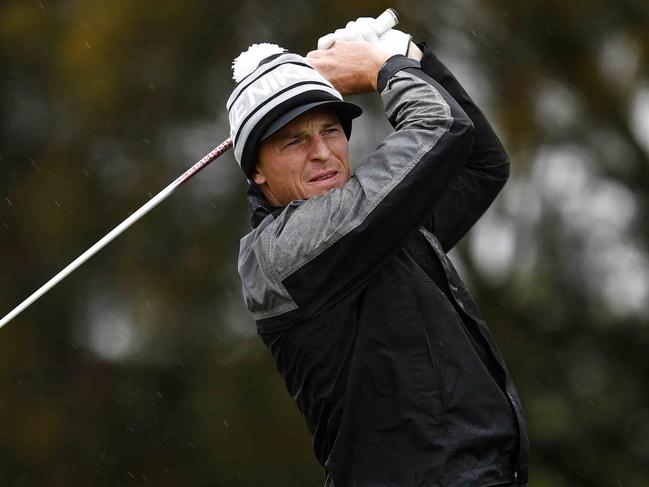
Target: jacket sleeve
(480, 180)
(319, 250)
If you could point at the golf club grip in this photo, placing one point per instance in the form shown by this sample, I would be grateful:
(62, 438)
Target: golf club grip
(386, 21)
(383, 23)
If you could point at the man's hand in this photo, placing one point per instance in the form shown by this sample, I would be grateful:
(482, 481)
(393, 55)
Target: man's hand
(351, 66)
(363, 29)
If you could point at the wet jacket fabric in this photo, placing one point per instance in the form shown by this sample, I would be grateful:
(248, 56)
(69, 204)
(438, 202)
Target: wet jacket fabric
(379, 342)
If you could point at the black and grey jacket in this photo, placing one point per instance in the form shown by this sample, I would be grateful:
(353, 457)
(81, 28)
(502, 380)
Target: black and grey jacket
(380, 344)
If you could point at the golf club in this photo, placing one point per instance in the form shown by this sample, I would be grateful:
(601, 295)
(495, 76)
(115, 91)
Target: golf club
(382, 24)
(148, 206)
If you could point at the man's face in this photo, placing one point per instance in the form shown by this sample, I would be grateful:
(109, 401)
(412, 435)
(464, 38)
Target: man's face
(307, 157)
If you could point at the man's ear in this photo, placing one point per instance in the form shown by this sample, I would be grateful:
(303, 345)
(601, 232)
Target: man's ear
(258, 178)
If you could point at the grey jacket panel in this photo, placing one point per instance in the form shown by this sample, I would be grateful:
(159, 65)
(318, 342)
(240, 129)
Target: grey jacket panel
(262, 289)
(279, 247)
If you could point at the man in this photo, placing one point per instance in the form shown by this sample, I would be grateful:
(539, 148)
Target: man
(380, 344)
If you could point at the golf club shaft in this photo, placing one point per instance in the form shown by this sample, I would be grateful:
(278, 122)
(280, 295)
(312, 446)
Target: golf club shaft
(148, 206)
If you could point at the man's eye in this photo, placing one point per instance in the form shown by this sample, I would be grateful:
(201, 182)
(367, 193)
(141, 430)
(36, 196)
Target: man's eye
(292, 142)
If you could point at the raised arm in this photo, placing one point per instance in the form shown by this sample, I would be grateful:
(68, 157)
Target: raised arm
(484, 174)
(487, 167)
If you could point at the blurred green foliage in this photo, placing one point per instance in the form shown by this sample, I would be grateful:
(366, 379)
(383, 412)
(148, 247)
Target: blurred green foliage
(143, 367)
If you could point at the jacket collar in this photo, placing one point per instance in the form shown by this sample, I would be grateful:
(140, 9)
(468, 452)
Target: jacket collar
(258, 206)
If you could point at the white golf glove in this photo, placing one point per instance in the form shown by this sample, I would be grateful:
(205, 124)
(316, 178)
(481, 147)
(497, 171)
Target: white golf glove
(363, 29)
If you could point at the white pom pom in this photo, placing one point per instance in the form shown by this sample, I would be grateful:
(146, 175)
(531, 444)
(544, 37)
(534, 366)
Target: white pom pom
(249, 60)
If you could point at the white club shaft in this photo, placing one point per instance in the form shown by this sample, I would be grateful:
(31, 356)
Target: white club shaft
(148, 206)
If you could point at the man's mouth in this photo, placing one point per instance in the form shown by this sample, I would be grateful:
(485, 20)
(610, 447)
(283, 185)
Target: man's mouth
(325, 176)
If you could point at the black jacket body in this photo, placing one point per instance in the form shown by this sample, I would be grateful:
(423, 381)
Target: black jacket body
(380, 344)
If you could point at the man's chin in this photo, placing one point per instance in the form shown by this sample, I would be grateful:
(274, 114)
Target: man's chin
(318, 188)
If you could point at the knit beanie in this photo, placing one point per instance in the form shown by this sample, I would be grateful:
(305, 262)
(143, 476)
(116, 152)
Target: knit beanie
(273, 88)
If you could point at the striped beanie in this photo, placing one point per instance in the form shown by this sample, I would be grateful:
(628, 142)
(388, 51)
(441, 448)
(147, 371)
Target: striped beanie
(273, 88)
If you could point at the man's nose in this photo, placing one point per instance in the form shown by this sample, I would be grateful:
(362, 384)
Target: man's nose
(320, 150)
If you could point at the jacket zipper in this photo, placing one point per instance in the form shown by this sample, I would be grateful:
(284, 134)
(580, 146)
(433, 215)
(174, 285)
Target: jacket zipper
(457, 300)
(516, 417)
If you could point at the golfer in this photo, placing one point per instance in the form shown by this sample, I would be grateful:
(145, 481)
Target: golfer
(379, 342)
